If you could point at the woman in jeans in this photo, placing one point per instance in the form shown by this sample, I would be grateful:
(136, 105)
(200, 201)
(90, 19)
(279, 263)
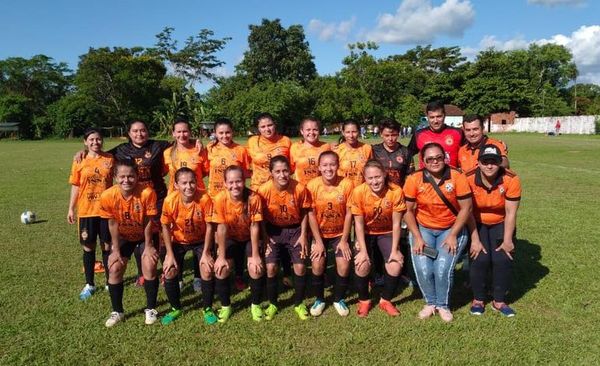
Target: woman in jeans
(437, 225)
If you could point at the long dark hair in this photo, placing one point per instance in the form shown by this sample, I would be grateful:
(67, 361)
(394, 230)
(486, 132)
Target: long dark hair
(221, 121)
(347, 123)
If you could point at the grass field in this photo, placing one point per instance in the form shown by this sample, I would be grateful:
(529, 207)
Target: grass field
(556, 287)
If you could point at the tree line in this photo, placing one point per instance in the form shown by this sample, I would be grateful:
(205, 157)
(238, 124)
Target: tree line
(115, 85)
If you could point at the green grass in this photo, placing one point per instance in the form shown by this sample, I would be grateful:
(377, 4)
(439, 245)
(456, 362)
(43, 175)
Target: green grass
(555, 289)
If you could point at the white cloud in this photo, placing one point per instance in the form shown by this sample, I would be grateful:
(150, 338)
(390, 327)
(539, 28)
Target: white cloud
(417, 21)
(328, 31)
(556, 2)
(517, 43)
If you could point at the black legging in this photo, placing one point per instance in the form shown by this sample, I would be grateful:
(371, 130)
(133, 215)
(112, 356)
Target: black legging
(500, 264)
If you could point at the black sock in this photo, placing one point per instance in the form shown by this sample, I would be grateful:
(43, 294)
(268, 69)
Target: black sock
(362, 287)
(318, 284)
(137, 253)
(256, 289)
(208, 291)
(89, 260)
(390, 284)
(151, 287)
(299, 289)
(272, 290)
(116, 296)
(223, 288)
(340, 288)
(173, 292)
(105, 254)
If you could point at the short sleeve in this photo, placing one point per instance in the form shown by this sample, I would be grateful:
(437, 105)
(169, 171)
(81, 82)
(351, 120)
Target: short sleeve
(399, 202)
(410, 188)
(305, 198)
(463, 190)
(150, 203)
(218, 211)
(166, 218)
(355, 203)
(513, 190)
(106, 211)
(255, 208)
(75, 176)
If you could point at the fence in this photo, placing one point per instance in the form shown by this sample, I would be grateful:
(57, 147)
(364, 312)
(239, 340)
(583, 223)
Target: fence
(583, 125)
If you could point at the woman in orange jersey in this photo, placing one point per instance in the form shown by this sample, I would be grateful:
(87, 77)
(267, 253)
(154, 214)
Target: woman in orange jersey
(353, 153)
(130, 208)
(436, 220)
(238, 213)
(183, 219)
(88, 179)
(377, 206)
(304, 154)
(330, 223)
(286, 203)
(496, 197)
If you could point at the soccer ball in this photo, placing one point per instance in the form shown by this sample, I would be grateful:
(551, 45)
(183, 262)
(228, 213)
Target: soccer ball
(28, 217)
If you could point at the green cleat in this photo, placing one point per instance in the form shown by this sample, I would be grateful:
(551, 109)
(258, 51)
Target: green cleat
(209, 316)
(224, 314)
(257, 313)
(171, 316)
(270, 312)
(302, 311)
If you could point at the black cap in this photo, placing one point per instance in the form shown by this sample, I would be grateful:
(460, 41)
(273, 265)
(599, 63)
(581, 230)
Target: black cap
(490, 152)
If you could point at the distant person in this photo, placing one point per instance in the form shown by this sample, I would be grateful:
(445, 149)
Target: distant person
(557, 127)
(363, 132)
(375, 131)
(324, 131)
(475, 137)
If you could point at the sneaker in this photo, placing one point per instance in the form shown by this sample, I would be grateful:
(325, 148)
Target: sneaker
(477, 307)
(302, 311)
(151, 316)
(224, 314)
(239, 283)
(504, 309)
(287, 282)
(426, 312)
(270, 312)
(114, 318)
(341, 308)
(209, 316)
(139, 282)
(363, 308)
(388, 307)
(87, 292)
(317, 308)
(197, 285)
(445, 314)
(171, 316)
(257, 313)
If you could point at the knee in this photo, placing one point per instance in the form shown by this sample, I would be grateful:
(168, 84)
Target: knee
(342, 268)
(363, 271)
(318, 267)
(299, 269)
(171, 273)
(393, 269)
(271, 270)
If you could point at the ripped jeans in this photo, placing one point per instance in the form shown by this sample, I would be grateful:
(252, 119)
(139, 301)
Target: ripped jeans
(435, 276)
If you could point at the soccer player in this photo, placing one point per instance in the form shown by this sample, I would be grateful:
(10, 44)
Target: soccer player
(436, 220)
(330, 222)
(88, 179)
(377, 206)
(392, 154)
(183, 219)
(129, 208)
(468, 153)
(496, 197)
(286, 203)
(184, 153)
(451, 138)
(353, 153)
(238, 214)
(304, 154)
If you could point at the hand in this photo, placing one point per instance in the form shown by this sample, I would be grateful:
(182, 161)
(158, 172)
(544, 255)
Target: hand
(199, 146)
(303, 246)
(221, 265)
(344, 247)
(450, 243)
(396, 256)
(508, 247)
(476, 248)
(206, 261)
(317, 251)
(150, 251)
(418, 245)
(79, 156)
(71, 216)
(361, 259)
(114, 257)
(255, 262)
(169, 263)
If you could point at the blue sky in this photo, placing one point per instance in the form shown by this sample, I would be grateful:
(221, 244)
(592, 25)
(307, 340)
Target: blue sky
(65, 29)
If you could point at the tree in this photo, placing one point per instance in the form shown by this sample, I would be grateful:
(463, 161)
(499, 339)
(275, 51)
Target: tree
(277, 54)
(336, 100)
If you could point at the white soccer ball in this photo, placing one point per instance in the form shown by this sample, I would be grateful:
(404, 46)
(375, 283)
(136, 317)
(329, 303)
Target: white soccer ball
(28, 217)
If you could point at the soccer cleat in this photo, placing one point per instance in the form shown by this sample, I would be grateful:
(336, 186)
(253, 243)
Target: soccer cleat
(173, 315)
(98, 267)
(388, 307)
(317, 308)
(445, 314)
(301, 311)
(257, 313)
(477, 307)
(209, 316)
(341, 308)
(504, 309)
(270, 312)
(197, 285)
(87, 292)
(426, 312)
(224, 314)
(151, 316)
(239, 283)
(363, 308)
(139, 282)
(114, 318)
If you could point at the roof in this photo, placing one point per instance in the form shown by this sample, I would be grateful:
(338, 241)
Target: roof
(451, 110)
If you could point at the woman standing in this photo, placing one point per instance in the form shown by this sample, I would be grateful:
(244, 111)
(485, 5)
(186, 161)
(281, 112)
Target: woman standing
(182, 154)
(353, 153)
(305, 154)
(439, 203)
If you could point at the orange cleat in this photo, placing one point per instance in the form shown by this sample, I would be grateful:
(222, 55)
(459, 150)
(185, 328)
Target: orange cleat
(363, 308)
(388, 307)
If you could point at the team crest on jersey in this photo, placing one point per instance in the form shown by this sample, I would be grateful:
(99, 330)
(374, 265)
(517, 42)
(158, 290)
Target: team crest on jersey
(399, 159)
(137, 207)
(84, 234)
(449, 140)
(106, 164)
(199, 214)
(292, 201)
(340, 198)
(387, 203)
(148, 154)
(449, 187)
(421, 188)
(501, 189)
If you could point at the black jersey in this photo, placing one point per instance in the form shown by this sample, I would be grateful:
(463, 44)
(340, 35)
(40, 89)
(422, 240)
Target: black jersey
(150, 163)
(397, 163)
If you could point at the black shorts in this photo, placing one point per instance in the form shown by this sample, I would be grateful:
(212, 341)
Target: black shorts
(285, 238)
(333, 243)
(380, 242)
(91, 228)
(179, 251)
(237, 249)
(127, 247)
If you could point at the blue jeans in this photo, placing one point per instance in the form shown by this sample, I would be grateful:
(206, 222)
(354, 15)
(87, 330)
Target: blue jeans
(435, 276)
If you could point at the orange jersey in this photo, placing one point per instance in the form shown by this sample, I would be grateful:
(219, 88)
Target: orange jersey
(237, 215)
(187, 220)
(352, 161)
(467, 155)
(93, 176)
(132, 213)
(184, 158)
(283, 208)
(489, 203)
(329, 204)
(219, 158)
(304, 160)
(377, 211)
(431, 210)
(261, 150)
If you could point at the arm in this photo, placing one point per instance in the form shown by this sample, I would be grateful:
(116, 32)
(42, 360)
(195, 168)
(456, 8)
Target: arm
(72, 202)
(510, 222)
(221, 261)
(411, 222)
(505, 163)
(343, 245)
(461, 219)
(170, 261)
(395, 255)
(303, 239)
(318, 248)
(255, 260)
(115, 254)
(362, 256)
(476, 246)
(207, 259)
(149, 248)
